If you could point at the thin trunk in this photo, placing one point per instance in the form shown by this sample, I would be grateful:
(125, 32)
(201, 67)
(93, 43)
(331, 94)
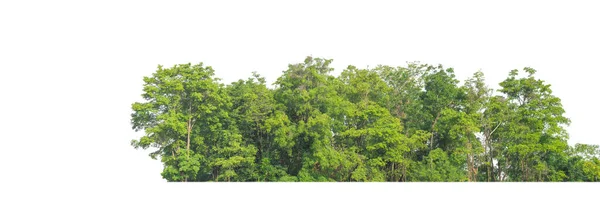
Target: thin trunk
(505, 166)
(259, 143)
(215, 174)
(491, 166)
(432, 132)
(404, 173)
(522, 171)
(491, 149)
(393, 175)
(499, 177)
(526, 172)
(469, 166)
(189, 131)
(489, 156)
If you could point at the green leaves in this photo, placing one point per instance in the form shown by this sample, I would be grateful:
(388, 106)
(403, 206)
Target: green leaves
(406, 123)
(437, 166)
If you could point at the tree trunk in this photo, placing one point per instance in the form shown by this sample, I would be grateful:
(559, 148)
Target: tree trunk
(490, 166)
(393, 175)
(491, 160)
(432, 132)
(523, 176)
(259, 152)
(404, 173)
(189, 131)
(488, 139)
(469, 165)
(217, 175)
(526, 171)
(506, 166)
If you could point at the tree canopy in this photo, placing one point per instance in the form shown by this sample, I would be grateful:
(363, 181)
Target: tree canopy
(396, 124)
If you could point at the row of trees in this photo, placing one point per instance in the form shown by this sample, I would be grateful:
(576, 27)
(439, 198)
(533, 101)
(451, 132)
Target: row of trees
(412, 123)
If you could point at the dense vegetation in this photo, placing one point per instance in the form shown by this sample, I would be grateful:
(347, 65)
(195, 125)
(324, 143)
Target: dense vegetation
(412, 123)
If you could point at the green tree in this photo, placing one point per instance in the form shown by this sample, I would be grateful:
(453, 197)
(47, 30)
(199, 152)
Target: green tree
(535, 132)
(253, 105)
(304, 94)
(406, 86)
(441, 93)
(183, 117)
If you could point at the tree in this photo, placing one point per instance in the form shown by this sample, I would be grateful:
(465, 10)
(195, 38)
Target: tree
(253, 105)
(184, 108)
(304, 93)
(372, 130)
(441, 93)
(406, 123)
(406, 86)
(472, 120)
(534, 132)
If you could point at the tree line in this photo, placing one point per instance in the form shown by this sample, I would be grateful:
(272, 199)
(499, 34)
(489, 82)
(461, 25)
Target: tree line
(398, 124)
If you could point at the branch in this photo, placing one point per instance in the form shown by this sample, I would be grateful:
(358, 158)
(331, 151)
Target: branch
(495, 129)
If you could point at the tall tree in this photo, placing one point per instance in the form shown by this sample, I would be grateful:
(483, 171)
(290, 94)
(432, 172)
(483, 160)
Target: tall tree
(441, 93)
(172, 108)
(407, 85)
(304, 92)
(475, 102)
(372, 129)
(177, 100)
(535, 130)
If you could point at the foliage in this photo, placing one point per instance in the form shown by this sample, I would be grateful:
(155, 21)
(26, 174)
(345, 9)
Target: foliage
(412, 123)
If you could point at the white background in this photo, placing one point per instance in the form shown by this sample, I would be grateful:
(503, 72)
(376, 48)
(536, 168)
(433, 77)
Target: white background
(69, 71)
